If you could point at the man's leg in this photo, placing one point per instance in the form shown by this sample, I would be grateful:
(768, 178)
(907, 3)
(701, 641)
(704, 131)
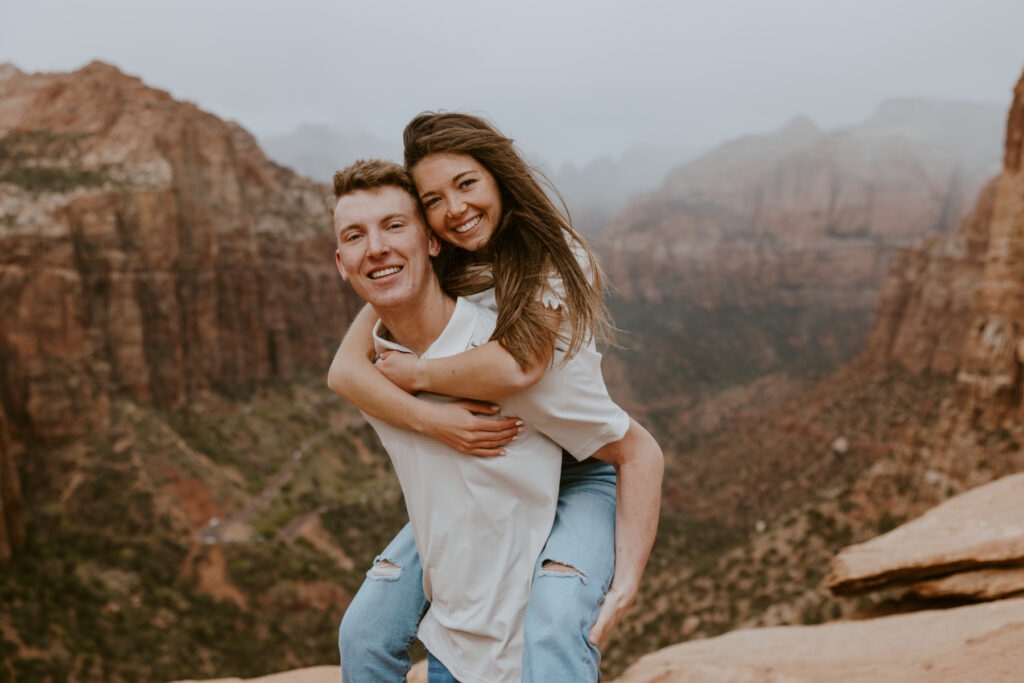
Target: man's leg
(572, 575)
(380, 624)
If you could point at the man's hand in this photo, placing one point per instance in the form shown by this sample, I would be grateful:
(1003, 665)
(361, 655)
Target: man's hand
(456, 425)
(614, 607)
(403, 369)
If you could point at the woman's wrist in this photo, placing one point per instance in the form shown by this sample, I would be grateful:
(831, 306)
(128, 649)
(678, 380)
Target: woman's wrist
(420, 376)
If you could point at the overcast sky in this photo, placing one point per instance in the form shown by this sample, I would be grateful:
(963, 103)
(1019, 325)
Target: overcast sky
(571, 80)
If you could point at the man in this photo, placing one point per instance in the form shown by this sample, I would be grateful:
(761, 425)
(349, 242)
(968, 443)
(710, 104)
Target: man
(479, 523)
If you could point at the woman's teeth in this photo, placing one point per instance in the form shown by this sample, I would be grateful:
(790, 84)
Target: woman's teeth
(385, 272)
(469, 224)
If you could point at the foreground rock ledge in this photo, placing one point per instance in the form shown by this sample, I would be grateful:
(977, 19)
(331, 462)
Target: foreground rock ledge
(979, 528)
(976, 643)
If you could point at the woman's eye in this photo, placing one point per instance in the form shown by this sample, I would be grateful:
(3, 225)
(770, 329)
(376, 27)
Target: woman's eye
(467, 183)
(430, 203)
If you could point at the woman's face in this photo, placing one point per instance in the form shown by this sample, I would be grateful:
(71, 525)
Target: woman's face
(460, 198)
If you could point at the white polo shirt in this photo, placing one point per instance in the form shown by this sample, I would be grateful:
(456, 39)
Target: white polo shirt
(479, 523)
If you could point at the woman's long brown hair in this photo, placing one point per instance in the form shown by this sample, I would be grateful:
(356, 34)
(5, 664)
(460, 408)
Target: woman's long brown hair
(530, 244)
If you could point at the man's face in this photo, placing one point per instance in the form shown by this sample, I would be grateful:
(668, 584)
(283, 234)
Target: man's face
(384, 248)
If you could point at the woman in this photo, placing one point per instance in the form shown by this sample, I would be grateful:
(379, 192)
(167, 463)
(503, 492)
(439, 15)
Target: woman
(481, 198)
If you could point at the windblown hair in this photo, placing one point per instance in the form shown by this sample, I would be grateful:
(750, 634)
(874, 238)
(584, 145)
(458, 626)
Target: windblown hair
(370, 174)
(532, 243)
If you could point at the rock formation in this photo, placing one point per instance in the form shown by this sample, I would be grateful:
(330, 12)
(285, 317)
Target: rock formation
(979, 529)
(975, 643)
(955, 306)
(147, 249)
(801, 217)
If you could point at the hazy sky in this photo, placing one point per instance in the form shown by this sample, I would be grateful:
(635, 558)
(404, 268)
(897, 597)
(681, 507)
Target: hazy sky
(570, 80)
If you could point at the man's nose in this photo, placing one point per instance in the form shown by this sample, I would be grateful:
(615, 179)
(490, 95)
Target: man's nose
(378, 243)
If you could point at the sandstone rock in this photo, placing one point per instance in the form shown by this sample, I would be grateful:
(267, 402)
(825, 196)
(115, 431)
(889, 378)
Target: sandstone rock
(984, 526)
(990, 371)
(980, 584)
(313, 674)
(976, 643)
(147, 249)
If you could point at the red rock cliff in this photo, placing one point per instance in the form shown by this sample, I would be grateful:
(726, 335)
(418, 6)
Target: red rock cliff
(956, 305)
(147, 248)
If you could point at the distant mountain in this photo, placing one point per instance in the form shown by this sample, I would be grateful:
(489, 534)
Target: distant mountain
(767, 253)
(318, 150)
(597, 191)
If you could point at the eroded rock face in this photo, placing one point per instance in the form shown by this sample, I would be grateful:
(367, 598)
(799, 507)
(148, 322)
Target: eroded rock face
(980, 584)
(148, 247)
(955, 306)
(980, 528)
(980, 643)
(994, 352)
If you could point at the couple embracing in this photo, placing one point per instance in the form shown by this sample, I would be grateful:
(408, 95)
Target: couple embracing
(533, 499)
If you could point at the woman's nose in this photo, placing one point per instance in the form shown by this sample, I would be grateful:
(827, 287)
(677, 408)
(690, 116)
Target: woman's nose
(456, 206)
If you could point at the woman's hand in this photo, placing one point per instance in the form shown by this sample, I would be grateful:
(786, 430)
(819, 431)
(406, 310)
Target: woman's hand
(401, 368)
(456, 425)
(616, 602)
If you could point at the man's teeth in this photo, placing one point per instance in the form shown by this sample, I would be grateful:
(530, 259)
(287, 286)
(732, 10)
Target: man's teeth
(385, 272)
(471, 224)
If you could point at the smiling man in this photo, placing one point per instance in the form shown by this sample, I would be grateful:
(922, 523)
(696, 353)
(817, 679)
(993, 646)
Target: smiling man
(479, 523)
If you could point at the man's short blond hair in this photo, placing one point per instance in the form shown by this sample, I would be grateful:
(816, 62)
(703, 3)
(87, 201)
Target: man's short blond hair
(370, 174)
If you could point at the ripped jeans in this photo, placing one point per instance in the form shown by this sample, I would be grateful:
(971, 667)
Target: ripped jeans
(380, 623)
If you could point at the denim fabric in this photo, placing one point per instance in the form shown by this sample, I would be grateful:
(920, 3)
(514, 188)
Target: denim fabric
(564, 606)
(437, 672)
(380, 624)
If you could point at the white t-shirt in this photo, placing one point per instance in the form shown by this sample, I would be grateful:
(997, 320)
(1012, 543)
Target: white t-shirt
(479, 523)
(571, 405)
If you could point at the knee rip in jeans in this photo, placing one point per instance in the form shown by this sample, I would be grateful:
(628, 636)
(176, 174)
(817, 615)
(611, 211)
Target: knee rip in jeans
(384, 570)
(563, 569)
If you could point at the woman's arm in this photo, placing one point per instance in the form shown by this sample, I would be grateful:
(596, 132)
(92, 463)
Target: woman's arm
(353, 376)
(639, 466)
(486, 373)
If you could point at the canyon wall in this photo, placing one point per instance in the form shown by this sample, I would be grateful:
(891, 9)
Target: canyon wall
(147, 249)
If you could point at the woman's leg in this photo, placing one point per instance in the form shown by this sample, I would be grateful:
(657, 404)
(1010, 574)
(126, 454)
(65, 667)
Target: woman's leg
(572, 575)
(380, 624)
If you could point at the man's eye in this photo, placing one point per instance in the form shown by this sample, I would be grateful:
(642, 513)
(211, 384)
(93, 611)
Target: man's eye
(394, 226)
(352, 236)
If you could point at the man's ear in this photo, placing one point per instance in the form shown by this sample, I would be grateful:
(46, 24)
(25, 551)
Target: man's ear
(341, 268)
(434, 245)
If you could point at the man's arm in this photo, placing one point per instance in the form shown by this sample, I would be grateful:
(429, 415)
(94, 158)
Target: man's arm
(639, 466)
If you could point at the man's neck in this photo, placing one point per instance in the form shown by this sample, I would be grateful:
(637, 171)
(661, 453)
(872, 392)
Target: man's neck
(418, 322)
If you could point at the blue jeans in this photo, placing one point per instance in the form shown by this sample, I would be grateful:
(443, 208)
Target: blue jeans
(380, 624)
(438, 672)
